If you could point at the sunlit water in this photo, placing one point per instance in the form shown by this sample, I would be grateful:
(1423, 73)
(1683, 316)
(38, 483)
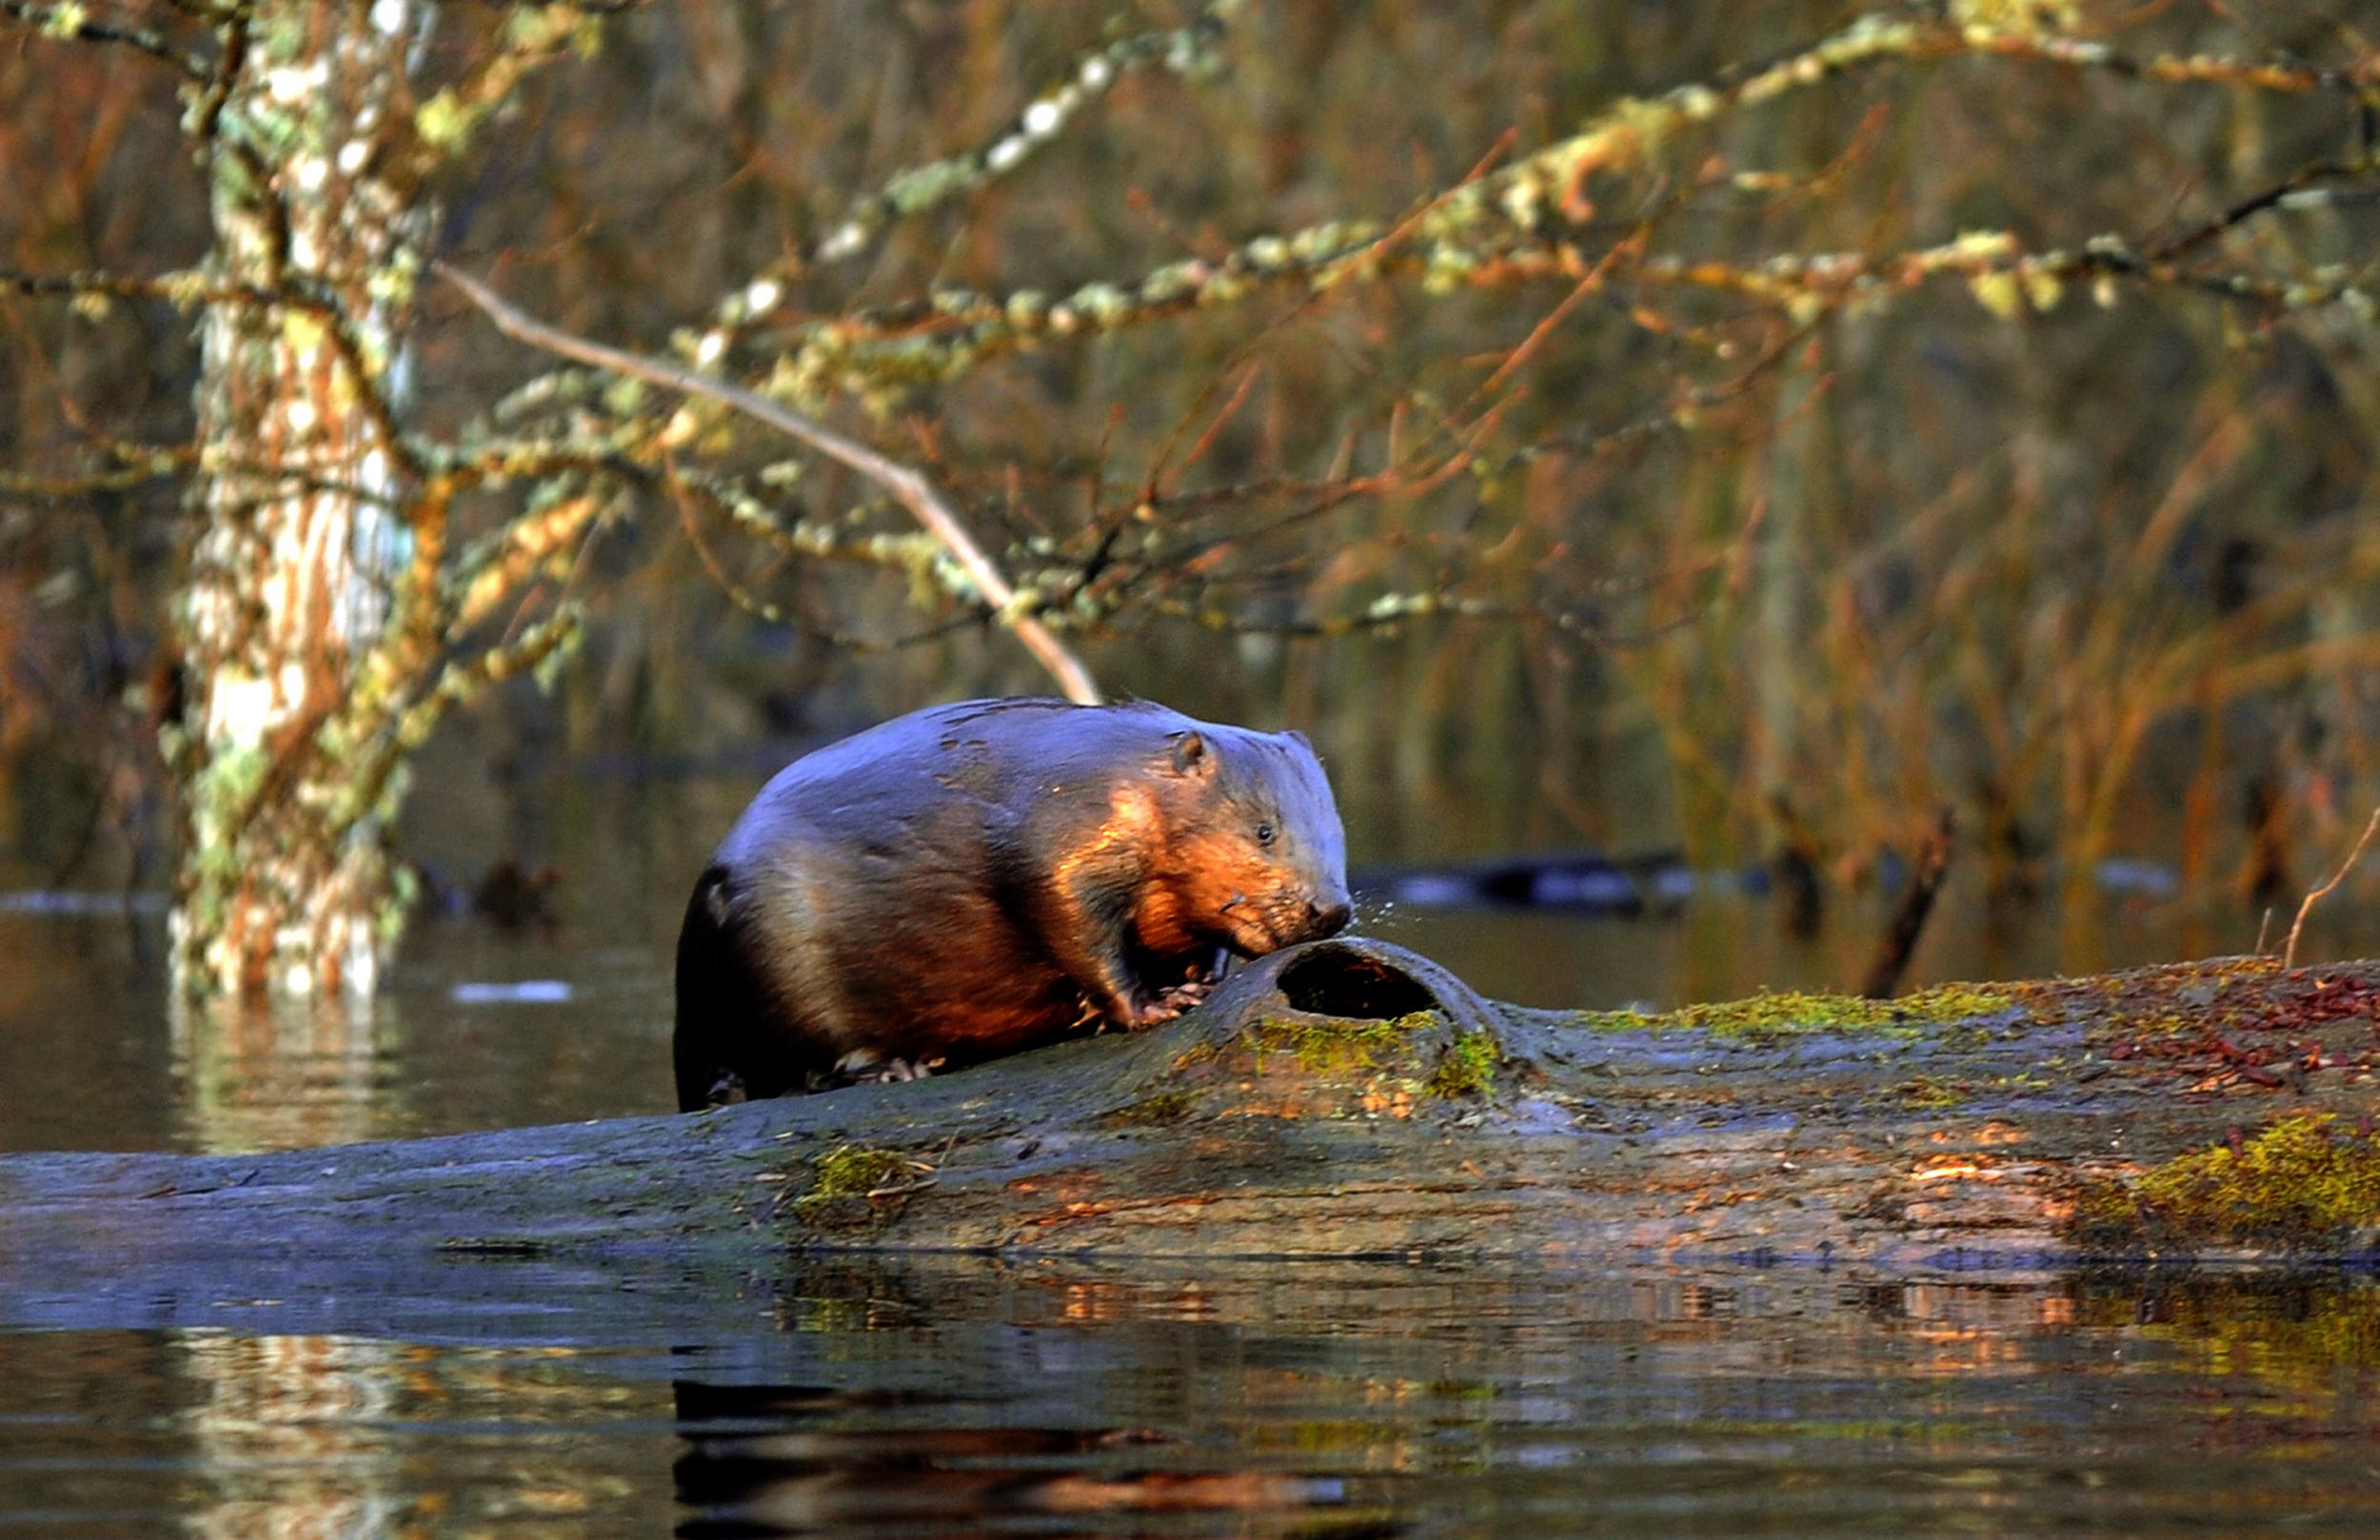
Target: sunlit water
(974, 1396)
(970, 1396)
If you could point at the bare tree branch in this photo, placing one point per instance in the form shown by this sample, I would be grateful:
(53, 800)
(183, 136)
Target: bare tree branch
(910, 489)
(69, 23)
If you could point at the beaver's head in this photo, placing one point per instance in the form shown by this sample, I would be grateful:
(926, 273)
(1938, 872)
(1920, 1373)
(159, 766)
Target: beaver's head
(1256, 858)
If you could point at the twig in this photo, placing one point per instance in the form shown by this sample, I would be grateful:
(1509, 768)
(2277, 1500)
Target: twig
(1179, 51)
(910, 489)
(68, 23)
(2288, 953)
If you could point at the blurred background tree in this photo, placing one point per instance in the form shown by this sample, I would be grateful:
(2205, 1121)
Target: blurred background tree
(1748, 427)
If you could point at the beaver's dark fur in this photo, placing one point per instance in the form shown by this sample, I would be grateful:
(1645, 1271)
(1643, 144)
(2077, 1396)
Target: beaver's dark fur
(970, 880)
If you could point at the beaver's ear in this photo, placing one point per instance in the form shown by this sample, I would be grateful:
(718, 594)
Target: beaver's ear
(1191, 756)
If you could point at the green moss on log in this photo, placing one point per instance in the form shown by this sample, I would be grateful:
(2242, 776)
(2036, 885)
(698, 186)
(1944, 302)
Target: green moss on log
(1792, 1012)
(854, 1186)
(1393, 1048)
(1467, 1068)
(1341, 1048)
(2305, 1181)
(854, 1170)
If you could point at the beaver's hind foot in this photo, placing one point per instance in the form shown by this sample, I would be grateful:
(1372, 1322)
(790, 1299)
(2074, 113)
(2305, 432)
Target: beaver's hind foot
(864, 1066)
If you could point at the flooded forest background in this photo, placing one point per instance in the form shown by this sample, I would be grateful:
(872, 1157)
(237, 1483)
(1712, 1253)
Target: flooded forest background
(1983, 421)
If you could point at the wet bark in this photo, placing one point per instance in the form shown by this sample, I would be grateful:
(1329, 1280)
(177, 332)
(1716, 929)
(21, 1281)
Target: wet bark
(1348, 1099)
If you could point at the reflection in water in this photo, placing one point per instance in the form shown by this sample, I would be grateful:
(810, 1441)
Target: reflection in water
(292, 1426)
(1316, 1400)
(284, 1074)
(975, 1395)
(292, 1437)
(97, 1054)
(757, 1463)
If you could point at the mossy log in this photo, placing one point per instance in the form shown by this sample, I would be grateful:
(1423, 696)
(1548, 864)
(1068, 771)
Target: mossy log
(1351, 1099)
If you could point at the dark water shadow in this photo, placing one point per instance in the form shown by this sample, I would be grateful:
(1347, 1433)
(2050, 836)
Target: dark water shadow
(773, 1459)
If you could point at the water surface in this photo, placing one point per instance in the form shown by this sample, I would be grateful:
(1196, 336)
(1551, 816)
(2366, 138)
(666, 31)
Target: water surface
(975, 1395)
(989, 1395)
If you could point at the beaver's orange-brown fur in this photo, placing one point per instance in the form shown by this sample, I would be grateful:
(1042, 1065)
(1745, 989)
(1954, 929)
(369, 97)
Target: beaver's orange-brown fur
(973, 878)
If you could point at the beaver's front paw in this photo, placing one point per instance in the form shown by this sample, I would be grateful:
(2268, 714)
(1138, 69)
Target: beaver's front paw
(1169, 1003)
(1153, 1012)
(1190, 991)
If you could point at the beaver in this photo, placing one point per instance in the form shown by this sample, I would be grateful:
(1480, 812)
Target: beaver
(974, 878)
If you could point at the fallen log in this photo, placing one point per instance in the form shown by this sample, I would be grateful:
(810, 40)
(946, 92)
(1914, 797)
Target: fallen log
(1349, 1099)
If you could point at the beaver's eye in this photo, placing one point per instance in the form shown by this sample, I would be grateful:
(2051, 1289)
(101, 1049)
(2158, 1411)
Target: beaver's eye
(1263, 834)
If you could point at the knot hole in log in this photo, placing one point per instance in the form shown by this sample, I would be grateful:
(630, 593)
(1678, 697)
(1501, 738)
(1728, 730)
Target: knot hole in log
(1346, 1027)
(1358, 987)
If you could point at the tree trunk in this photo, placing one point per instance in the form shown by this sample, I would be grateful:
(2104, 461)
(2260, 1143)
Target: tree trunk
(285, 884)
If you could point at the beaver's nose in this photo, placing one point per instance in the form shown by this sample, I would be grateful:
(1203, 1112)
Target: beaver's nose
(1330, 919)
